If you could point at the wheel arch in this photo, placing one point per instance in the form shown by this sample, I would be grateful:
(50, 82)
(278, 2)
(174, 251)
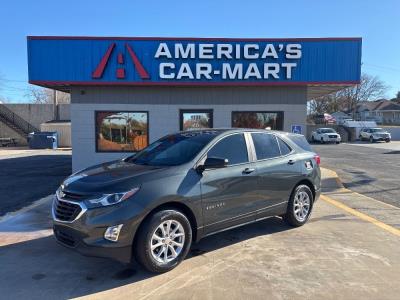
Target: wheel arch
(308, 183)
(183, 208)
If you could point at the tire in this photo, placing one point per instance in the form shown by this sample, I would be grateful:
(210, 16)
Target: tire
(298, 219)
(146, 237)
(322, 141)
(371, 139)
(337, 143)
(360, 138)
(387, 141)
(312, 139)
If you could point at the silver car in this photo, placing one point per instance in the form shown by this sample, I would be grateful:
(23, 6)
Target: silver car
(374, 135)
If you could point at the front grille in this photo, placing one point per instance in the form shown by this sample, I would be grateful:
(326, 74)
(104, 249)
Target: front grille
(66, 211)
(72, 196)
(64, 238)
(332, 136)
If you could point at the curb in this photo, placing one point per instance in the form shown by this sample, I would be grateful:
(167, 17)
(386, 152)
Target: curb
(25, 209)
(332, 175)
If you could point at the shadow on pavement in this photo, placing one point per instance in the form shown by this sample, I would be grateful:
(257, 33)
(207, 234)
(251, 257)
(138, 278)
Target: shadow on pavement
(28, 178)
(41, 268)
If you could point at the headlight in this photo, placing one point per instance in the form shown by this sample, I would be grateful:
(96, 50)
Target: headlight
(111, 199)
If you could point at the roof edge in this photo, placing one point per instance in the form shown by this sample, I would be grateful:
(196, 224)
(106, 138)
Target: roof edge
(31, 37)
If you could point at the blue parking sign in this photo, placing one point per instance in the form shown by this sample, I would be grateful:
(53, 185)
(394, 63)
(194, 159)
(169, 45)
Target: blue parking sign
(296, 129)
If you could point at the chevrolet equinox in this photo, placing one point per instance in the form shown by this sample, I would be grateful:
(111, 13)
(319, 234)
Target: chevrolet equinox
(151, 206)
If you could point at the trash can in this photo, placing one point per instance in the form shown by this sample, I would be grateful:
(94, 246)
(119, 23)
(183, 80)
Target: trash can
(43, 140)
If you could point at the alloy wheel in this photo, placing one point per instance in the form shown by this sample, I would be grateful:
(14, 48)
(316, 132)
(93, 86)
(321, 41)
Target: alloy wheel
(302, 205)
(167, 241)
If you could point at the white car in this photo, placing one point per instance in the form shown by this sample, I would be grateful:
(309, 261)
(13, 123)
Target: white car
(374, 135)
(326, 135)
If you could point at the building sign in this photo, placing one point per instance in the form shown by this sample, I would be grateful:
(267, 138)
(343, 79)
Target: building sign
(187, 61)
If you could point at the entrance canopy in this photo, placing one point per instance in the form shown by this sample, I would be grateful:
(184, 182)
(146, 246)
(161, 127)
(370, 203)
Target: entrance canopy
(323, 65)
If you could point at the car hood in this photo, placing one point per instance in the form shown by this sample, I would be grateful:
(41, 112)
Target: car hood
(112, 177)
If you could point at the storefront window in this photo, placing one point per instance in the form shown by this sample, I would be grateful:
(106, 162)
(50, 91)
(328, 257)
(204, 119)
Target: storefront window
(195, 119)
(255, 119)
(121, 131)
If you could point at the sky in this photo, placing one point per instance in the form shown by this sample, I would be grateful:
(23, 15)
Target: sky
(377, 22)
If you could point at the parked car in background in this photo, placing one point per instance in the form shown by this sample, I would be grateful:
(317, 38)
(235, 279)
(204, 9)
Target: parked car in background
(326, 135)
(183, 187)
(374, 135)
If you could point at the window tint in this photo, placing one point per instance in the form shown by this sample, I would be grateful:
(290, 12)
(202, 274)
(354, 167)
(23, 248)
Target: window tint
(232, 147)
(285, 149)
(266, 145)
(301, 141)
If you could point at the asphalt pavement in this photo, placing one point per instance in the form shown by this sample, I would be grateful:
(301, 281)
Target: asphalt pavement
(369, 169)
(340, 253)
(29, 175)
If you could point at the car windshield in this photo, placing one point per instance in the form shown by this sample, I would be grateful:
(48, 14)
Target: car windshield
(327, 130)
(172, 150)
(377, 130)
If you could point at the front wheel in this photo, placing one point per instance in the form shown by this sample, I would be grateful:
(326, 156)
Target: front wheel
(371, 139)
(387, 141)
(322, 141)
(299, 207)
(163, 241)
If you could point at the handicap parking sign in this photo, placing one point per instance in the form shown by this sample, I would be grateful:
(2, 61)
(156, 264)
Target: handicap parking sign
(296, 129)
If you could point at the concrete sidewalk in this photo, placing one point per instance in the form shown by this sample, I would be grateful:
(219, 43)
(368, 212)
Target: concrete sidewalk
(337, 255)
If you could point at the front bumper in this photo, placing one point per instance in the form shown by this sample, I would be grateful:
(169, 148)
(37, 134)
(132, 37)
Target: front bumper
(74, 239)
(381, 138)
(85, 234)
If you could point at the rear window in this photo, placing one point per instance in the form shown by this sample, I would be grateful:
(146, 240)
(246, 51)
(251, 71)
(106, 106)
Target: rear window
(301, 141)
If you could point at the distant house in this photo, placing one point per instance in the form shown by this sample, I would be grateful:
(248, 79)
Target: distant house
(381, 111)
(341, 116)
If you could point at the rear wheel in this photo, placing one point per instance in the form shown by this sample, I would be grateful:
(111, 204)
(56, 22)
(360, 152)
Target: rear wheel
(300, 206)
(164, 241)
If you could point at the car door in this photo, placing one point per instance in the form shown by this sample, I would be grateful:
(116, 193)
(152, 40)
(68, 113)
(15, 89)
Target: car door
(278, 171)
(229, 194)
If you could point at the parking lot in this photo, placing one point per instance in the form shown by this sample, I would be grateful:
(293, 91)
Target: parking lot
(369, 169)
(348, 250)
(28, 175)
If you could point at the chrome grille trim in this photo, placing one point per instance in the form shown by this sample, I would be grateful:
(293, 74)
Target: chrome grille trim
(81, 204)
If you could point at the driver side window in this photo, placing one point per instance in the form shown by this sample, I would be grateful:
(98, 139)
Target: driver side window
(232, 147)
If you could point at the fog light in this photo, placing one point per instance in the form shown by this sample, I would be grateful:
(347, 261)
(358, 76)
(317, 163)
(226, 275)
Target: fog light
(112, 233)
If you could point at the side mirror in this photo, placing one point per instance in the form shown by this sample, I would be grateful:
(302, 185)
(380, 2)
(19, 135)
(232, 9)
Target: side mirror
(213, 163)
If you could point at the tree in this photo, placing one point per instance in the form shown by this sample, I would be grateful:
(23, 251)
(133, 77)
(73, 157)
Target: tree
(370, 88)
(45, 96)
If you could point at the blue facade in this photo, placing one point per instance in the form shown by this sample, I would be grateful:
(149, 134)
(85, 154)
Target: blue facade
(148, 61)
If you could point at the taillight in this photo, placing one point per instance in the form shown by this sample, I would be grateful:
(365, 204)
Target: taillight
(317, 159)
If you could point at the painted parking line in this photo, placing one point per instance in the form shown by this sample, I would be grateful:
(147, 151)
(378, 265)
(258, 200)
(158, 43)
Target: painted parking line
(360, 215)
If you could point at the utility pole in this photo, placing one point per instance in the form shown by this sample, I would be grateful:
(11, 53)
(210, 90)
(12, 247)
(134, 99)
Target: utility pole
(55, 108)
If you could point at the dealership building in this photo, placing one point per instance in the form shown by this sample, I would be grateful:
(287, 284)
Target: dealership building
(128, 92)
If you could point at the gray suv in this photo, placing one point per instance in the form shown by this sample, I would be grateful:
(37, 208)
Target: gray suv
(152, 205)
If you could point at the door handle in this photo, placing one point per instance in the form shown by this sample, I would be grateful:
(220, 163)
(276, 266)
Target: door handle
(291, 162)
(248, 170)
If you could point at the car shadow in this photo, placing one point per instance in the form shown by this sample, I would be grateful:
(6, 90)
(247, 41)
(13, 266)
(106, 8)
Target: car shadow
(36, 268)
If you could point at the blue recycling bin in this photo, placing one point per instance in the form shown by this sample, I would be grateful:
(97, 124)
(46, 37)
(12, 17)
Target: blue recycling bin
(43, 140)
